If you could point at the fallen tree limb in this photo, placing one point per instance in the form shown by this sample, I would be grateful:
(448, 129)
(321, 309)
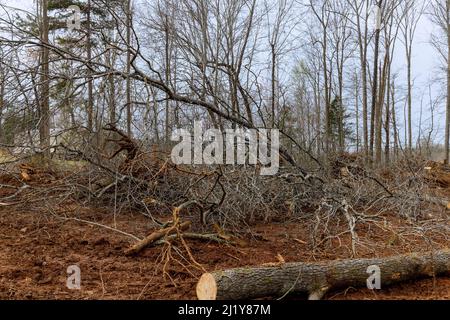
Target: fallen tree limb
(194, 236)
(137, 247)
(316, 279)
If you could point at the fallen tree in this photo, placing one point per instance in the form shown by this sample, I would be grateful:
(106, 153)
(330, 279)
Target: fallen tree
(315, 279)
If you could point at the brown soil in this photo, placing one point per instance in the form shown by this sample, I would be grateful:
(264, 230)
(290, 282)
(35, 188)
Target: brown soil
(36, 248)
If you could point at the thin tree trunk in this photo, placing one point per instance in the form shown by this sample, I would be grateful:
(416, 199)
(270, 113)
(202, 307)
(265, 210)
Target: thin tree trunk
(379, 111)
(357, 113)
(112, 99)
(167, 75)
(44, 124)
(128, 80)
(387, 120)
(394, 122)
(90, 103)
(327, 100)
(273, 83)
(375, 79)
(341, 123)
(447, 125)
(362, 42)
(318, 115)
(2, 103)
(111, 87)
(408, 63)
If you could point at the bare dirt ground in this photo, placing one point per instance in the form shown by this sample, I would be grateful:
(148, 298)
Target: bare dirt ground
(36, 249)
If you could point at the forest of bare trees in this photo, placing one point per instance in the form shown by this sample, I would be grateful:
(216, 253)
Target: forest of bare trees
(93, 93)
(327, 81)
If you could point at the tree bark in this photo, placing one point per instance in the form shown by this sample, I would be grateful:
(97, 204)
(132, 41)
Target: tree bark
(44, 124)
(273, 80)
(315, 279)
(90, 103)
(408, 64)
(167, 56)
(357, 113)
(2, 94)
(394, 121)
(379, 108)
(363, 45)
(128, 80)
(447, 124)
(387, 131)
(375, 80)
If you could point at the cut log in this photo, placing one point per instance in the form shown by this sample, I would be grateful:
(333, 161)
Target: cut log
(315, 279)
(137, 247)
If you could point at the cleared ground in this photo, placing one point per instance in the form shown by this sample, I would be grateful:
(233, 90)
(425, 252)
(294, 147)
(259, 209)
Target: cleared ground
(36, 249)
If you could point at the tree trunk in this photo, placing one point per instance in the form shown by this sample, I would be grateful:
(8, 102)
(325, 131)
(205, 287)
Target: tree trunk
(44, 124)
(272, 115)
(394, 121)
(375, 79)
(110, 57)
(387, 120)
(90, 104)
(341, 123)
(447, 124)
(408, 59)
(318, 114)
(357, 113)
(2, 94)
(327, 95)
(167, 76)
(362, 41)
(379, 109)
(128, 81)
(316, 279)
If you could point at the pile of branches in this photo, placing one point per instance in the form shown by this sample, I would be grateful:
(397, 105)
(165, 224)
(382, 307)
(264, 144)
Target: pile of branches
(133, 177)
